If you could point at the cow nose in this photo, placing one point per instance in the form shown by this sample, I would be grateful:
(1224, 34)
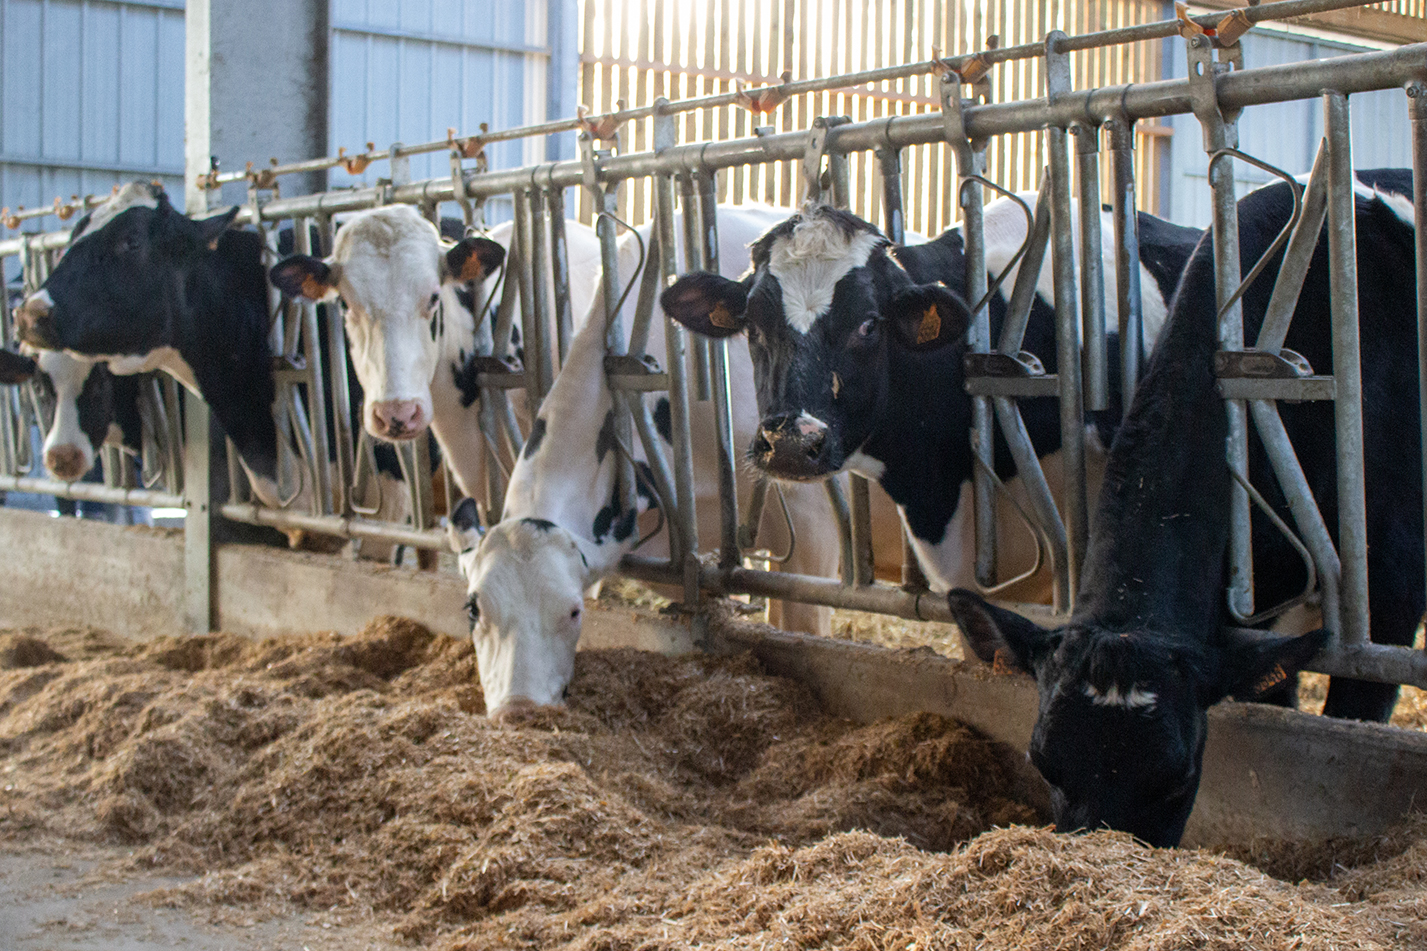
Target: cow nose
(792, 446)
(398, 419)
(514, 709)
(34, 321)
(66, 462)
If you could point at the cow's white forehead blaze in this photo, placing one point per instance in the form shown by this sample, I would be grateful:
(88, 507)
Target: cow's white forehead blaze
(131, 195)
(809, 262)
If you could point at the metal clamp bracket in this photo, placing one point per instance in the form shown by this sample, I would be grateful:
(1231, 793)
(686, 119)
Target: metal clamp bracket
(813, 154)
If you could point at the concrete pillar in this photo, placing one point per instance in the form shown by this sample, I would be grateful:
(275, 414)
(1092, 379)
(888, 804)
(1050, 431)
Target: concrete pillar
(257, 87)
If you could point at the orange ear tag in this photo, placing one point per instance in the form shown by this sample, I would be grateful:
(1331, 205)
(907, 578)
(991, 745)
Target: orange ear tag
(720, 317)
(930, 327)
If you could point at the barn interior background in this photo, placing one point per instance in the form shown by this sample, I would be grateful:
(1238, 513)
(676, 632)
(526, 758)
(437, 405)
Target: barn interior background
(91, 90)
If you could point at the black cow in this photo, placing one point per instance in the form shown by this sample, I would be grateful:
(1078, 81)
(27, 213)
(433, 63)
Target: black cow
(826, 294)
(1125, 685)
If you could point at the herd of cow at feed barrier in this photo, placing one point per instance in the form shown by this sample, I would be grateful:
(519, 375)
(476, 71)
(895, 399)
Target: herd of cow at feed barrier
(848, 356)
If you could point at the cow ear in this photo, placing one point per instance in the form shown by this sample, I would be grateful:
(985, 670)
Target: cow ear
(472, 259)
(1001, 638)
(708, 304)
(463, 527)
(927, 316)
(304, 276)
(1253, 664)
(210, 229)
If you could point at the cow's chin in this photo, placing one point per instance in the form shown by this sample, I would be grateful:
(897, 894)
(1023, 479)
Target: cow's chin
(813, 471)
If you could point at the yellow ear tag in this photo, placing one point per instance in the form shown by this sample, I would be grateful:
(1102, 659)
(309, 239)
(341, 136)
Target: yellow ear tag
(720, 317)
(930, 327)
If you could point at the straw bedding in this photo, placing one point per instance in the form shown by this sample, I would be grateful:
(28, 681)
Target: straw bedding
(674, 803)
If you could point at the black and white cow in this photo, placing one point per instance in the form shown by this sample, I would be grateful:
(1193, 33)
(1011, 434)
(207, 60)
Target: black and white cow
(563, 528)
(92, 407)
(1125, 685)
(821, 307)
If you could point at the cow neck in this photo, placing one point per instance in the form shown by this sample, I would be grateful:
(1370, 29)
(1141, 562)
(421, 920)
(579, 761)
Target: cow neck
(224, 338)
(1156, 558)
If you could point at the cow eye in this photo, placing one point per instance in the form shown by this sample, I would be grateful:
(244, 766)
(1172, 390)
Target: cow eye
(574, 614)
(435, 298)
(473, 610)
(867, 329)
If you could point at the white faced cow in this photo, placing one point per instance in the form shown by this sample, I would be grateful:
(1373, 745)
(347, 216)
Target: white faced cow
(410, 323)
(564, 528)
(838, 393)
(1125, 685)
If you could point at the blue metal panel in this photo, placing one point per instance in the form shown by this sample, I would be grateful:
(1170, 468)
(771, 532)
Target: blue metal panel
(1282, 134)
(408, 71)
(91, 95)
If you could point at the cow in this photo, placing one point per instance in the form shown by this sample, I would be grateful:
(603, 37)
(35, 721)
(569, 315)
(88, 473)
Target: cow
(386, 266)
(820, 308)
(1125, 685)
(92, 407)
(142, 287)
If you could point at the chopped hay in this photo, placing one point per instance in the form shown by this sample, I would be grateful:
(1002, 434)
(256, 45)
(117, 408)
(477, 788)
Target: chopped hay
(672, 803)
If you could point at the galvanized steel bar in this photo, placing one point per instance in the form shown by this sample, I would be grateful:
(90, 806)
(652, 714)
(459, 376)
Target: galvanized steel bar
(91, 492)
(316, 389)
(1074, 504)
(1023, 292)
(1347, 372)
(1297, 256)
(1096, 377)
(704, 210)
(538, 367)
(523, 239)
(1127, 257)
(1417, 111)
(695, 259)
(560, 268)
(334, 525)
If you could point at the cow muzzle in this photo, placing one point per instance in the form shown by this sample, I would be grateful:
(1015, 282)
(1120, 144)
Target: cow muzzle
(398, 419)
(67, 462)
(34, 322)
(513, 710)
(790, 446)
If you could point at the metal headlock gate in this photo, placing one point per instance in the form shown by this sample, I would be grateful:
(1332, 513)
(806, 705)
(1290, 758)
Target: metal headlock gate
(1216, 90)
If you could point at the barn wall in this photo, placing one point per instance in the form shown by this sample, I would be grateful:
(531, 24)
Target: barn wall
(91, 94)
(1282, 134)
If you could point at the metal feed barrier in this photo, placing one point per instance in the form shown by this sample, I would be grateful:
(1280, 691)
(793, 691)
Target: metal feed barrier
(1252, 381)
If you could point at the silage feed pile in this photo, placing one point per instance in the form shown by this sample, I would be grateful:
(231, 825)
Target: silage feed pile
(676, 803)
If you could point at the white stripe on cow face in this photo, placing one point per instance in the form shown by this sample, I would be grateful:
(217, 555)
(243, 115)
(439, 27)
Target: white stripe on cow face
(166, 359)
(1133, 697)
(131, 195)
(68, 452)
(809, 263)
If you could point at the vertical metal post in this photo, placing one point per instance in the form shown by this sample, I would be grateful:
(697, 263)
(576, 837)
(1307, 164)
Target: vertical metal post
(537, 345)
(695, 257)
(675, 344)
(1067, 325)
(343, 441)
(703, 209)
(560, 267)
(1417, 109)
(1127, 256)
(316, 392)
(521, 239)
(1222, 132)
(198, 511)
(1347, 371)
(1092, 268)
(971, 160)
(894, 224)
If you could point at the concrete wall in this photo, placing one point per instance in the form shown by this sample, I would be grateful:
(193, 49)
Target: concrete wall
(1273, 773)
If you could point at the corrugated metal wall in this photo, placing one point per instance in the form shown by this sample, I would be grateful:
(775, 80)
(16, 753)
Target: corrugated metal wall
(408, 71)
(91, 94)
(1283, 134)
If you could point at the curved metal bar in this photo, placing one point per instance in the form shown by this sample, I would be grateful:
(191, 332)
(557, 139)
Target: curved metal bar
(1025, 245)
(1298, 546)
(1283, 235)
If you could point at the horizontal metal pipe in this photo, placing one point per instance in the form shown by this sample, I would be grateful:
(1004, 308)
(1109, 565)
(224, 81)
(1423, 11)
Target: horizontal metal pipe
(90, 492)
(334, 525)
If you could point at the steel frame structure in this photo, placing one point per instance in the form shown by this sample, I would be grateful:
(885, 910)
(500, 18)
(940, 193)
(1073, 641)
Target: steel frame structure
(1252, 380)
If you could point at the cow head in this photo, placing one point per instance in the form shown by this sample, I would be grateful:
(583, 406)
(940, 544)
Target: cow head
(392, 274)
(83, 395)
(1120, 733)
(824, 302)
(525, 583)
(120, 287)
